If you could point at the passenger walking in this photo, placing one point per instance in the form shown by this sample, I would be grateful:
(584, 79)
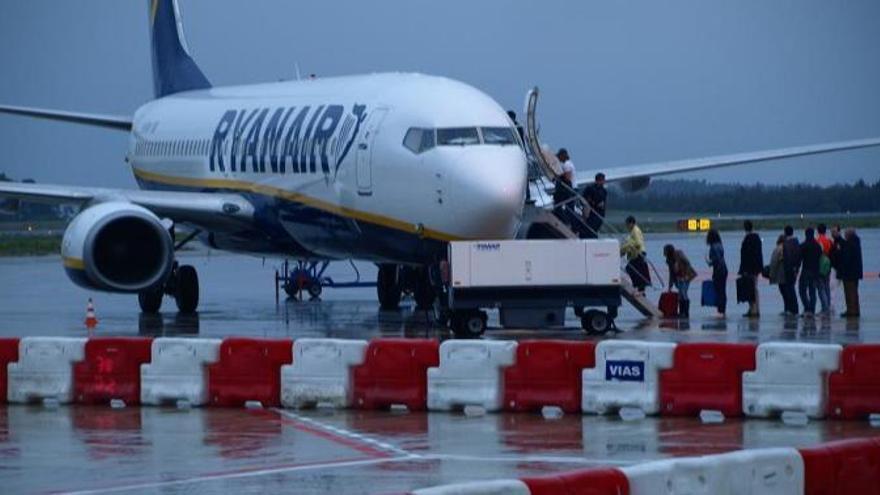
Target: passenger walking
(563, 192)
(634, 250)
(751, 264)
(719, 270)
(791, 261)
(776, 269)
(850, 271)
(810, 254)
(823, 285)
(596, 196)
(567, 166)
(681, 273)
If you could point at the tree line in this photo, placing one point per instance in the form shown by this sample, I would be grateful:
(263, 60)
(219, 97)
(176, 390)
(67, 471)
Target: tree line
(704, 197)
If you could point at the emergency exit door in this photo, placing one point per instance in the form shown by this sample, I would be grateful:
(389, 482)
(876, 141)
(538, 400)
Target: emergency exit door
(365, 151)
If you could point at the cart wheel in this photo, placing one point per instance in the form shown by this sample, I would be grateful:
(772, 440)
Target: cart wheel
(596, 322)
(315, 289)
(470, 324)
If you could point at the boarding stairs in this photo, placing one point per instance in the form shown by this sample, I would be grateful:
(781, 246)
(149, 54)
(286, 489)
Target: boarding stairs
(540, 221)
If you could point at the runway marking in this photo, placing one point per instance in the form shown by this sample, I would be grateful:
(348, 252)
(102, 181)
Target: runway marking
(244, 473)
(351, 438)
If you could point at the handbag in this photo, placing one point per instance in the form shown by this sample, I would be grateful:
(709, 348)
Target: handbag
(745, 290)
(708, 296)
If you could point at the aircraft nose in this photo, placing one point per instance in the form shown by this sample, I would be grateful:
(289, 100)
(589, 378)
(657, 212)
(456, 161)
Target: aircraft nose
(491, 193)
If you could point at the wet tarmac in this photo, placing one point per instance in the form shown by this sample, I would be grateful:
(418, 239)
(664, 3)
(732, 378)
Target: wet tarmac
(153, 450)
(238, 298)
(102, 450)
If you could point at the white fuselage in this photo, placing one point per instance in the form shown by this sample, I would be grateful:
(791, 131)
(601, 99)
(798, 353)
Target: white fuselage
(377, 167)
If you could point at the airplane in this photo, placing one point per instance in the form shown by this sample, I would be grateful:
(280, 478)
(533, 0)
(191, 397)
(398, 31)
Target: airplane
(387, 168)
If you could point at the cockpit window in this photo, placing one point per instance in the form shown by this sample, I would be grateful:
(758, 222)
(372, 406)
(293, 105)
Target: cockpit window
(419, 140)
(458, 136)
(498, 135)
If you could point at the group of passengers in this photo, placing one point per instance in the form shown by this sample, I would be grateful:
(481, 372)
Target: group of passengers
(808, 264)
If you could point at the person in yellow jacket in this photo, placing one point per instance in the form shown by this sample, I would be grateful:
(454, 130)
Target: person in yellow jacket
(634, 250)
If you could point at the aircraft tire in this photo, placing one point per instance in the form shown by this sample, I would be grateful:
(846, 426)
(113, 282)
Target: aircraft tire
(150, 301)
(187, 293)
(388, 287)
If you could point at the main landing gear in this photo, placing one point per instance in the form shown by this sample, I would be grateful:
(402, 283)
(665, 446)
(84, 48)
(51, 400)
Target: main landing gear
(395, 281)
(182, 284)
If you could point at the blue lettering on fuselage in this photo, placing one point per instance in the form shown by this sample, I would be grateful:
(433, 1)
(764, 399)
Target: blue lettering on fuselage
(274, 140)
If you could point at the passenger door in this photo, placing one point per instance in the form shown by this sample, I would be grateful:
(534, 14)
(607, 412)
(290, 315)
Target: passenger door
(365, 151)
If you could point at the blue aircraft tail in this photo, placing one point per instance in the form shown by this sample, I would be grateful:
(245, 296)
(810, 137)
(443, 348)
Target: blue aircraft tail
(173, 69)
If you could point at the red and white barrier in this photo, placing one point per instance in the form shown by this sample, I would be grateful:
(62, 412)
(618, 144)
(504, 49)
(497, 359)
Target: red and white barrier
(665, 378)
(178, 371)
(248, 370)
(44, 369)
(494, 487)
(321, 372)
(626, 375)
(790, 377)
(469, 374)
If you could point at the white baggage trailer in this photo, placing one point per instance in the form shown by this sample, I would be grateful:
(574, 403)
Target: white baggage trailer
(531, 282)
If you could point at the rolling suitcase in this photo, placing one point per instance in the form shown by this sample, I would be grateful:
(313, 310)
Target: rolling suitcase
(745, 290)
(669, 304)
(708, 296)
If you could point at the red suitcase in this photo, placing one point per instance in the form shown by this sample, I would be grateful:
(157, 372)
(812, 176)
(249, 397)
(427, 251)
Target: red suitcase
(669, 304)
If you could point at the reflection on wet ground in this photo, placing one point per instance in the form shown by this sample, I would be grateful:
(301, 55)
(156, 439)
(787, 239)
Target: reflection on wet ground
(102, 450)
(238, 299)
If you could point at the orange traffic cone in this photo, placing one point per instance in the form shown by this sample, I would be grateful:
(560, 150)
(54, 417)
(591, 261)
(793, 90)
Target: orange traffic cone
(91, 319)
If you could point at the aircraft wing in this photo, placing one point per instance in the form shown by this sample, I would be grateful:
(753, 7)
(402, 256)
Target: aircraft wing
(215, 211)
(110, 121)
(637, 176)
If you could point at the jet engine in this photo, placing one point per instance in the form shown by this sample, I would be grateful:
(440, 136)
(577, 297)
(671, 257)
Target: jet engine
(117, 247)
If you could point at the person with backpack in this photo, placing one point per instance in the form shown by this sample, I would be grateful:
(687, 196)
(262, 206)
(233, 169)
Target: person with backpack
(810, 253)
(681, 274)
(751, 263)
(634, 250)
(776, 268)
(823, 285)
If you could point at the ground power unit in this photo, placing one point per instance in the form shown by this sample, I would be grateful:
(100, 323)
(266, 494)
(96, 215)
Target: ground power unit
(532, 282)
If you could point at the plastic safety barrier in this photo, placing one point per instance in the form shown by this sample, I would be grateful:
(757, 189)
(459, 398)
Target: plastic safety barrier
(44, 369)
(8, 354)
(547, 373)
(854, 391)
(839, 468)
(706, 376)
(790, 377)
(603, 481)
(395, 371)
(111, 370)
(470, 374)
(321, 372)
(494, 487)
(626, 375)
(747, 472)
(248, 370)
(178, 371)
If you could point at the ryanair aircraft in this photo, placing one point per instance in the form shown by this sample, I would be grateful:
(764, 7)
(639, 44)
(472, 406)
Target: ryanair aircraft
(385, 167)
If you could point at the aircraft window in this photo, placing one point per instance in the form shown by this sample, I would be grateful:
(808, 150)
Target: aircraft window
(419, 140)
(458, 136)
(498, 135)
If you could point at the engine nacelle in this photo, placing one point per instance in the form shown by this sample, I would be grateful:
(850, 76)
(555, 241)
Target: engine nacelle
(117, 247)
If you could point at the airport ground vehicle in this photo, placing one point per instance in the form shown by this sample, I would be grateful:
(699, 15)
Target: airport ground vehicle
(532, 282)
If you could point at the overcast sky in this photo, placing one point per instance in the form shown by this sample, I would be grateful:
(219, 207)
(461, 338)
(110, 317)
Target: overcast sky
(623, 82)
